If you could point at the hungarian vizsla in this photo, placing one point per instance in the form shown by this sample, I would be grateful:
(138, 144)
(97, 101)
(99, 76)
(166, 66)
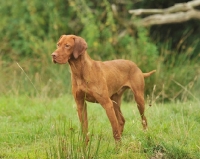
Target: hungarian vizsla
(102, 82)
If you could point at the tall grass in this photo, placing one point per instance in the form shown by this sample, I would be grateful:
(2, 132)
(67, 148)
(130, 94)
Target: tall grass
(177, 78)
(70, 143)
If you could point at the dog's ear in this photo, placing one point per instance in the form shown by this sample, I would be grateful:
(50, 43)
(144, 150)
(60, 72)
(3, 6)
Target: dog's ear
(80, 46)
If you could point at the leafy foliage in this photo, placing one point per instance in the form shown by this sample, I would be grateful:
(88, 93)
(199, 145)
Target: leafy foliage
(29, 31)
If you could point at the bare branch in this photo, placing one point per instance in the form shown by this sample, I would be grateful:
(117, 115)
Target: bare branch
(176, 8)
(178, 13)
(138, 12)
(170, 18)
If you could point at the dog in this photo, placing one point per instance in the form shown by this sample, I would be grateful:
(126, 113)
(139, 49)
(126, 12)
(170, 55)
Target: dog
(100, 82)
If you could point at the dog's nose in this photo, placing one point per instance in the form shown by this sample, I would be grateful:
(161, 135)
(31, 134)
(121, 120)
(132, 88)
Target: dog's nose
(54, 54)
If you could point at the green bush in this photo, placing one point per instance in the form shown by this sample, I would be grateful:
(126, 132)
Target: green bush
(29, 31)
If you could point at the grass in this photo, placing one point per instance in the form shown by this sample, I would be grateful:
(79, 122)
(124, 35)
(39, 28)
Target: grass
(49, 128)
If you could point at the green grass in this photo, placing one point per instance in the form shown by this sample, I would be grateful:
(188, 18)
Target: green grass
(49, 128)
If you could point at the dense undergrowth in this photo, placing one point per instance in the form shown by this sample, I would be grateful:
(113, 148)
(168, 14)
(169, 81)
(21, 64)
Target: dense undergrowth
(29, 31)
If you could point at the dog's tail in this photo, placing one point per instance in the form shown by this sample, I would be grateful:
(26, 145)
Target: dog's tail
(148, 74)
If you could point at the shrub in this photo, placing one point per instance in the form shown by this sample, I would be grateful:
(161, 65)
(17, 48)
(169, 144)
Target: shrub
(29, 31)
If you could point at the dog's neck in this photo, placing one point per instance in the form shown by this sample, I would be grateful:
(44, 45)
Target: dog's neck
(79, 65)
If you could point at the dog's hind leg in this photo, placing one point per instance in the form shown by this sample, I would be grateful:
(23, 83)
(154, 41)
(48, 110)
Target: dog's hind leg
(116, 99)
(138, 90)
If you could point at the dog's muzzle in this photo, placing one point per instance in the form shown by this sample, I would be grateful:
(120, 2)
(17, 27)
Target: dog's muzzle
(54, 55)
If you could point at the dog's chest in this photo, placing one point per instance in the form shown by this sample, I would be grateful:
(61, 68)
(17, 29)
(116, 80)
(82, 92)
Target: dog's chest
(90, 87)
(83, 85)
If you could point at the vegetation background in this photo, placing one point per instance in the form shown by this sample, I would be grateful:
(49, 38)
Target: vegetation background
(29, 31)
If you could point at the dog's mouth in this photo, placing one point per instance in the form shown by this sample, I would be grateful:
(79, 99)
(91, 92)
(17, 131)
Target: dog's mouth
(58, 61)
(54, 61)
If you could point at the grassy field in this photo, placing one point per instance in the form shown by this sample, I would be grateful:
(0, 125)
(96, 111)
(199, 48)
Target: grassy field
(49, 128)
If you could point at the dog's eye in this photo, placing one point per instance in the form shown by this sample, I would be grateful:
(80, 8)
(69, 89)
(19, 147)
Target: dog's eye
(58, 45)
(67, 46)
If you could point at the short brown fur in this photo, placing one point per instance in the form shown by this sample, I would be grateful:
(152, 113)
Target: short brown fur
(102, 82)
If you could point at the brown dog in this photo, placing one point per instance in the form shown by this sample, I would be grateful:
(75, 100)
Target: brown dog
(102, 82)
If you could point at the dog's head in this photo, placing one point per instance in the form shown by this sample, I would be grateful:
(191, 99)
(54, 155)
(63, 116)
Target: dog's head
(68, 46)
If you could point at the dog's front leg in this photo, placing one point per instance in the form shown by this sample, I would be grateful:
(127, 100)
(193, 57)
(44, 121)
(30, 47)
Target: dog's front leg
(109, 108)
(82, 114)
